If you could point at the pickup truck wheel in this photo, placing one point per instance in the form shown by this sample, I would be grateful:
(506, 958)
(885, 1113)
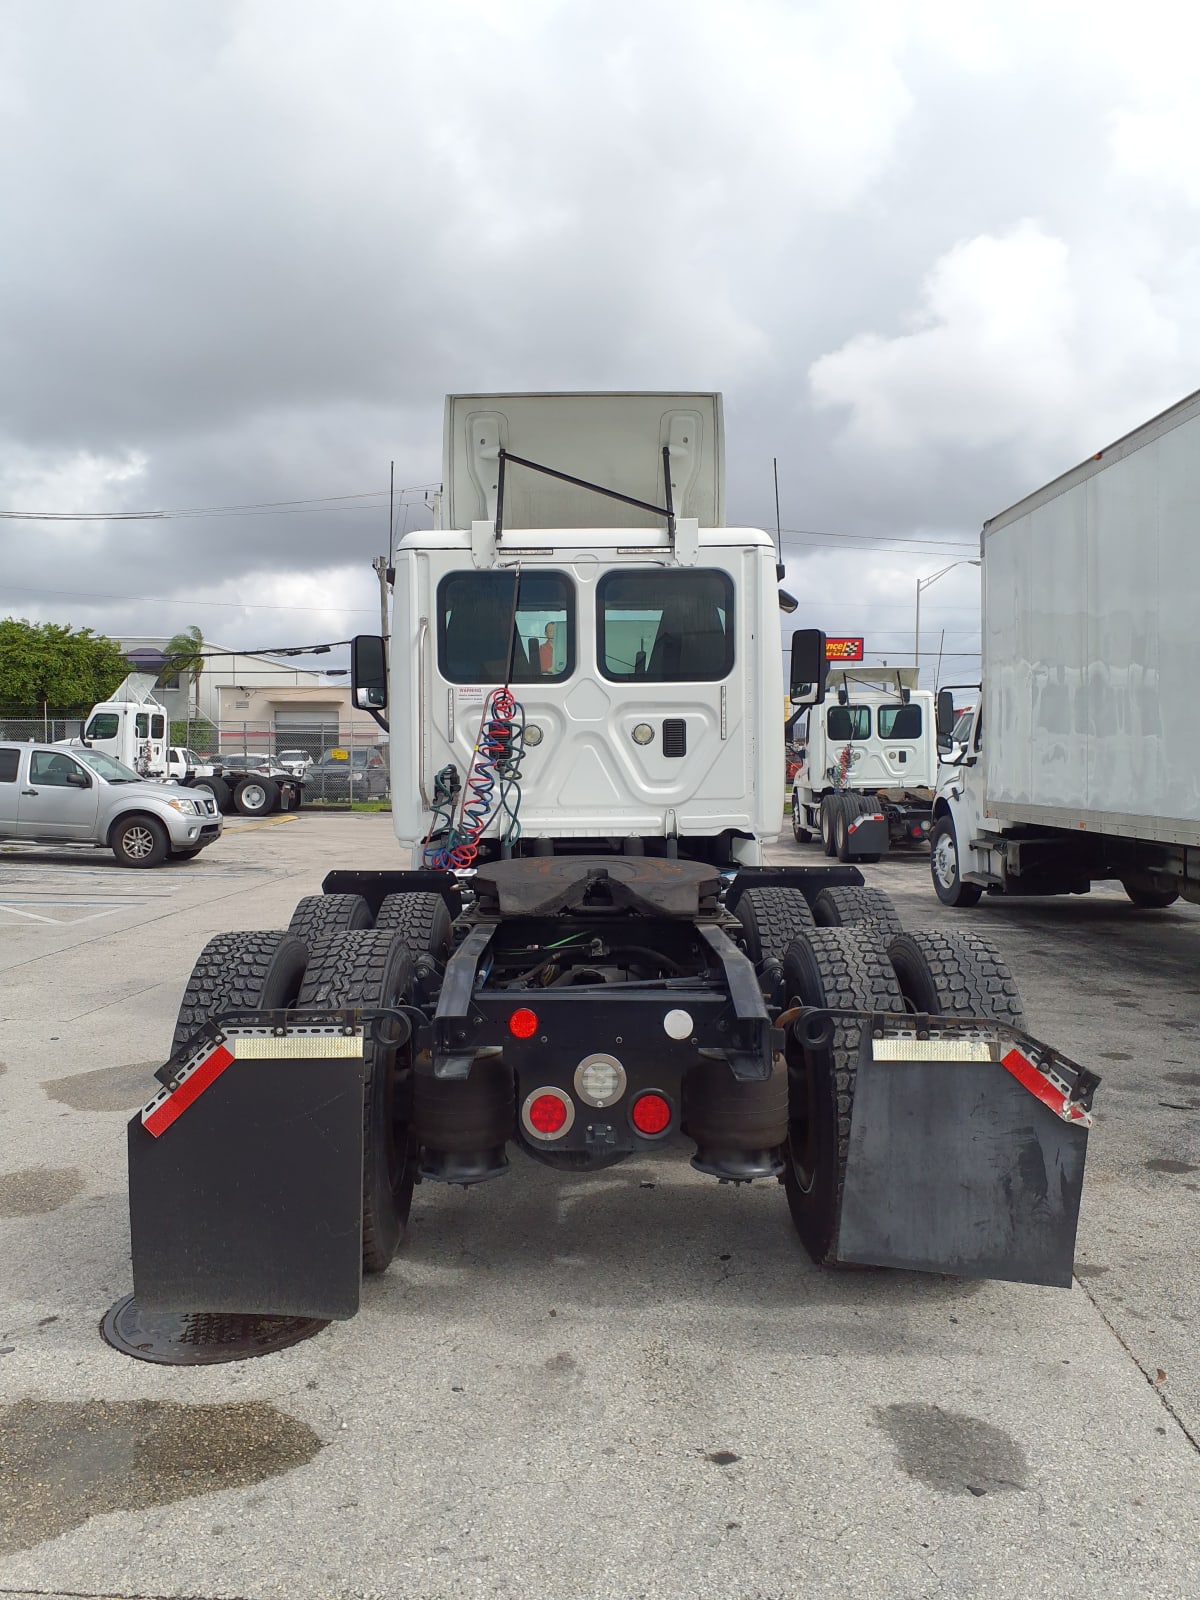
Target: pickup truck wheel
(255, 797)
(955, 974)
(1141, 894)
(374, 968)
(843, 907)
(219, 790)
(772, 918)
(830, 806)
(320, 914)
(847, 970)
(943, 866)
(423, 920)
(240, 972)
(139, 842)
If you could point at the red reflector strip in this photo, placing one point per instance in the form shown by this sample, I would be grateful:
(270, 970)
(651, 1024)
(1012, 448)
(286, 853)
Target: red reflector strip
(1045, 1088)
(163, 1110)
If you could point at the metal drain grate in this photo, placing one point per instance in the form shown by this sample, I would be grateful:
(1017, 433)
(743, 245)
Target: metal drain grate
(199, 1338)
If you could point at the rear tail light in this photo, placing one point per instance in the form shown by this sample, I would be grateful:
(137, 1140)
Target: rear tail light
(523, 1023)
(651, 1114)
(547, 1114)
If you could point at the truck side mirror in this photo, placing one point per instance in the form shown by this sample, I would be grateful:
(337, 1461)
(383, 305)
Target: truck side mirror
(945, 713)
(808, 667)
(368, 668)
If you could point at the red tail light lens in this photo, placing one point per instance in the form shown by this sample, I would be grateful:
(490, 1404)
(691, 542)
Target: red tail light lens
(523, 1023)
(651, 1114)
(547, 1114)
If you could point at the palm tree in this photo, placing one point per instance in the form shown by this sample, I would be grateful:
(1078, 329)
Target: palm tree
(185, 656)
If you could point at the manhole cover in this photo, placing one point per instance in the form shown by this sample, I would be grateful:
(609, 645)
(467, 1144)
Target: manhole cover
(198, 1338)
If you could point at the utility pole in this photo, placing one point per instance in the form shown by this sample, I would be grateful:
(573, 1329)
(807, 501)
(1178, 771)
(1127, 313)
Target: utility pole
(381, 567)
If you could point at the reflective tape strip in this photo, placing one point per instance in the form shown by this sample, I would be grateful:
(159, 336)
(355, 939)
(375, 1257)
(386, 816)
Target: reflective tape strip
(1047, 1087)
(169, 1104)
(946, 1049)
(296, 1046)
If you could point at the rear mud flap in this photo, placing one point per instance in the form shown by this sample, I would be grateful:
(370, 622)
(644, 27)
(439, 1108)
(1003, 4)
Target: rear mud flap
(245, 1179)
(970, 1167)
(866, 836)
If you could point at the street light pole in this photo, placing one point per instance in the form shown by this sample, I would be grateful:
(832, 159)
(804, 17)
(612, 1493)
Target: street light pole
(923, 583)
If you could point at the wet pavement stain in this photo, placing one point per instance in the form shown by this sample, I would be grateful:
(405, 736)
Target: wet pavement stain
(62, 1462)
(1088, 1269)
(950, 1451)
(1189, 1080)
(122, 1088)
(35, 1190)
(1165, 1164)
(1114, 1055)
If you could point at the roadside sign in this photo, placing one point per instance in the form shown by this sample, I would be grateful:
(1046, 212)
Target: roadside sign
(843, 649)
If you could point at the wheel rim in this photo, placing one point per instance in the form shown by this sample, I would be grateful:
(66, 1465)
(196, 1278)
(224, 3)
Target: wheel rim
(139, 843)
(945, 861)
(254, 796)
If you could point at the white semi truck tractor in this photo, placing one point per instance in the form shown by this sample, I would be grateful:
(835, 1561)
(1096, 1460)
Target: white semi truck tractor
(1082, 760)
(582, 954)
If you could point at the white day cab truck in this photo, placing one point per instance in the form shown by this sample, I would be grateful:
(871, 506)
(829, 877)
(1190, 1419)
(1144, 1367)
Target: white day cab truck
(133, 727)
(582, 955)
(1082, 761)
(868, 763)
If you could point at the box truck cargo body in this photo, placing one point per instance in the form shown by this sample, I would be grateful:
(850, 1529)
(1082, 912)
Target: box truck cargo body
(1084, 762)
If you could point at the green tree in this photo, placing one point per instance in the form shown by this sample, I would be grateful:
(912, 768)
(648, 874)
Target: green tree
(48, 664)
(185, 655)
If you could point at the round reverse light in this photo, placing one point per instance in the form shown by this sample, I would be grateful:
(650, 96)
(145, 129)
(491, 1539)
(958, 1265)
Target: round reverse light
(650, 1114)
(547, 1114)
(643, 734)
(599, 1080)
(533, 734)
(678, 1024)
(523, 1023)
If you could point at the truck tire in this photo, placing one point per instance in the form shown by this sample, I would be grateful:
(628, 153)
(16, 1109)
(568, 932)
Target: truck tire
(800, 833)
(955, 974)
(772, 918)
(943, 867)
(830, 805)
(423, 920)
(374, 968)
(138, 842)
(843, 907)
(1141, 893)
(242, 972)
(846, 970)
(255, 797)
(320, 914)
(219, 789)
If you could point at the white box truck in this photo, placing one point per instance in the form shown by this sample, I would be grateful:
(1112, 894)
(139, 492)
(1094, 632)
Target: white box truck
(1083, 760)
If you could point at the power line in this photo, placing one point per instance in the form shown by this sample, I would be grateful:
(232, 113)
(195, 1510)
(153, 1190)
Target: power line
(311, 503)
(158, 600)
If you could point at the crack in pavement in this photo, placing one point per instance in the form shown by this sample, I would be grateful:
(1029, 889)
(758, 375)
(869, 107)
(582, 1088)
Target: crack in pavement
(1155, 1387)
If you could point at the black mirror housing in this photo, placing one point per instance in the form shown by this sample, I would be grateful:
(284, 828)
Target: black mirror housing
(808, 667)
(368, 667)
(945, 713)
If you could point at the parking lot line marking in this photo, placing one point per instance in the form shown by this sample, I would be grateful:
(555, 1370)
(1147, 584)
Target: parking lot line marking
(62, 922)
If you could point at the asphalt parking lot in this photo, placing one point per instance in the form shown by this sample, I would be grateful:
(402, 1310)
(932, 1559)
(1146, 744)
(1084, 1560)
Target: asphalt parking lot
(633, 1384)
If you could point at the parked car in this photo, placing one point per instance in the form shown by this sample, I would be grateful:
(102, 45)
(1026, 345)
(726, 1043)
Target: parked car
(360, 774)
(52, 795)
(297, 761)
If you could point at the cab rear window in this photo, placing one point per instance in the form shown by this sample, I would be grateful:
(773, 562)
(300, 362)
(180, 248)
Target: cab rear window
(900, 722)
(492, 631)
(10, 760)
(848, 722)
(665, 626)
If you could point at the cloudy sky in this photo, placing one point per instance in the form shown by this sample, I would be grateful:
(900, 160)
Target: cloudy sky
(932, 251)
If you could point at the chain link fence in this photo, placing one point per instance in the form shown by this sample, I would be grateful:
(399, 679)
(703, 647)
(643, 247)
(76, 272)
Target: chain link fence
(337, 767)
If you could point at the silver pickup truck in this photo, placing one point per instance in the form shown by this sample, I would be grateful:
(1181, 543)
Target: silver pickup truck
(52, 795)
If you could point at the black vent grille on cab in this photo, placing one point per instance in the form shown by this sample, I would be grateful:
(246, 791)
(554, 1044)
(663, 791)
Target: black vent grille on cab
(674, 737)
